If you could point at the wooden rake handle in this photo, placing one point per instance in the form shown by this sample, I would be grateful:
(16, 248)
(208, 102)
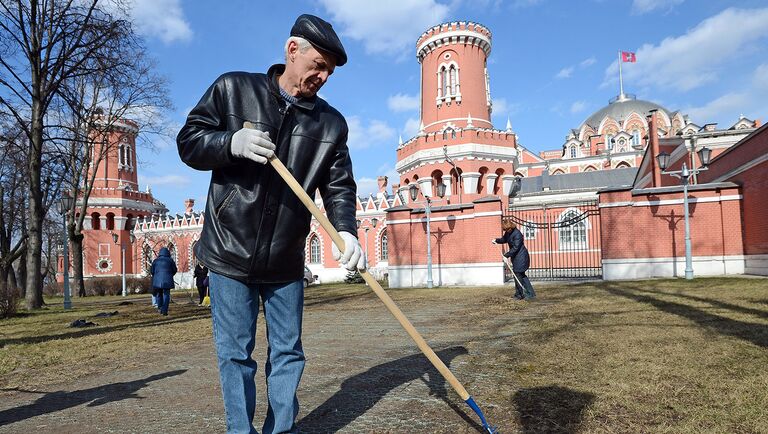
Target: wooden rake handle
(373, 283)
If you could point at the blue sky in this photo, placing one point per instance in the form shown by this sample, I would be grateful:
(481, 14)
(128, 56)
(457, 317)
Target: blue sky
(552, 64)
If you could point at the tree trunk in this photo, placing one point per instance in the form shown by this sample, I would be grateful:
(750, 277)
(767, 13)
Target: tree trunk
(22, 273)
(34, 296)
(76, 255)
(12, 278)
(4, 286)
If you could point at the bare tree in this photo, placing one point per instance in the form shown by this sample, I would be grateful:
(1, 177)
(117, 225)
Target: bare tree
(12, 183)
(122, 85)
(45, 46)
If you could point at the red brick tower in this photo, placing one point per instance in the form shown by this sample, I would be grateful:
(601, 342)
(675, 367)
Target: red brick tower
(457, 144)
(115, 202)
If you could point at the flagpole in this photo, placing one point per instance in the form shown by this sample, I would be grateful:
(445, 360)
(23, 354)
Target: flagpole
(621, 79)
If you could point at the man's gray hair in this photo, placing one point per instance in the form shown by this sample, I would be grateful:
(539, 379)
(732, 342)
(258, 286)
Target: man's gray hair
(303, 44)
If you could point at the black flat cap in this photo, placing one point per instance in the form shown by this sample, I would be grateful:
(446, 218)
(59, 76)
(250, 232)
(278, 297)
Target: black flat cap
(320, 34)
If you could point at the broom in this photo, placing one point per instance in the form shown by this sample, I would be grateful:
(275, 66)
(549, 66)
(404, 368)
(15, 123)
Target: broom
(374, 284)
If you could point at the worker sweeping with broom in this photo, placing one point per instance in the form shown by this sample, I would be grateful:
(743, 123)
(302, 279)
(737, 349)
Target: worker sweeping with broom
(253, 237)
(256, 223)
(517, 259)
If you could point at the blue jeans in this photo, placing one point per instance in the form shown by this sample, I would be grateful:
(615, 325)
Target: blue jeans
(234, 309)
(163, 300)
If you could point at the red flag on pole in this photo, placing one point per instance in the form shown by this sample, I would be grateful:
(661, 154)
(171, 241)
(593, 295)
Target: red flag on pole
(628, 56)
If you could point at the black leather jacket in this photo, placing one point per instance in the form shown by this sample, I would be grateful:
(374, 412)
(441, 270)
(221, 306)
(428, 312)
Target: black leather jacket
(255, 227)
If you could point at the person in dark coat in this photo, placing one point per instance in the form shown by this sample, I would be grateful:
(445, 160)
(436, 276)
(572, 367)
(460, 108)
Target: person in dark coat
(519, 257)
(163, 270)
(200, 273)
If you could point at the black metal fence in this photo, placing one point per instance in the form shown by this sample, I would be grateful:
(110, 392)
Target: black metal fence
(563, 240)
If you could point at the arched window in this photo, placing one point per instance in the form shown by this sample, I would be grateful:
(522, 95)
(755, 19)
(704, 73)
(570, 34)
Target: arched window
(110, 221)
(314, 250)
(192, 257)
(173, 252)
(635, 137)
(454, 80)
(444, 80)
(384, 246)
(572, 230)
(96, 221)
(147, 256)
(609, 142)
(574, 152)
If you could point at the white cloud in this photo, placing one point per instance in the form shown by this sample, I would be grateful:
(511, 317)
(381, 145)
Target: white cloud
(411, 128)
(368, 186)
(363, 136)
(697, 57)
(565, 72)
(588, 62)
(402, 102)
(719, 108)
(503, 107)
(170, 180)
(760, 77)
(161, 18)
(578, 107)
(372, 24)
(644, 6)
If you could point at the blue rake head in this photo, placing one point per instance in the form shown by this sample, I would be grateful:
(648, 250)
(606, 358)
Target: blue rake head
(473, 405)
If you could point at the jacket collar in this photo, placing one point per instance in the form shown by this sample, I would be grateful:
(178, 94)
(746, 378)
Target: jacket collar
(273, 73)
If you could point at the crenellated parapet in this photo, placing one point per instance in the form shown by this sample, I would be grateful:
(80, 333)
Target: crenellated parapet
(177, 222)
(455, 32)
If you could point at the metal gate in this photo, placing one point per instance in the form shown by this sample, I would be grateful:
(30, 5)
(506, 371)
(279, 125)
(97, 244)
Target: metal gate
(563, 240)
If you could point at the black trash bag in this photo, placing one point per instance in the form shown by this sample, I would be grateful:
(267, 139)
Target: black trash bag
(82, 323)
(105, 314)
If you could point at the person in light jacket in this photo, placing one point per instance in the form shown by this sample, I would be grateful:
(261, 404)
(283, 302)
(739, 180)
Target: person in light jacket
(519, 258)
(163, 270)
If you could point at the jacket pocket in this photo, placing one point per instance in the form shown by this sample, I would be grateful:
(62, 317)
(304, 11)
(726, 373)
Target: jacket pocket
(225, 202)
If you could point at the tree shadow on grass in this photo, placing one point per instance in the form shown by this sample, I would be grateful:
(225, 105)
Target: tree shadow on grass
(360, 393)
(551, 409)
(716, 303)
(160, 320)
(61, 400)
(752, 332)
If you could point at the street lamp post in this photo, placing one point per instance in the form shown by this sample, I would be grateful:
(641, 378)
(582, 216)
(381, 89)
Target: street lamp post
(414, 192)
(374, 222)
(65, 204)
(116, 238)
(684, 174)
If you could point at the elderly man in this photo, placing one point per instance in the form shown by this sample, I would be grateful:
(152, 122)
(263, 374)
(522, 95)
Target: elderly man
(255, 228)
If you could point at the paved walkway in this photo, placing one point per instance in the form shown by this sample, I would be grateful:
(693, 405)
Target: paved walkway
(363, 374)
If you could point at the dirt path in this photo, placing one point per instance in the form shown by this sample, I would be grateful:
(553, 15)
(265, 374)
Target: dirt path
(363, 374)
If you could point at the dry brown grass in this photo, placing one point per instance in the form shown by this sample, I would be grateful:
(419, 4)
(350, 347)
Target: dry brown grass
(666, 356)
(651, 356)
(38, 348)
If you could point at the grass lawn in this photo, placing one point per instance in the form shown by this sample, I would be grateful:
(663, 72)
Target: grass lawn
(640, 356)
(647, 356)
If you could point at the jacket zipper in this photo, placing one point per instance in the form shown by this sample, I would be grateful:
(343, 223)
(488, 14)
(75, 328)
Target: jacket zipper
(262, 264)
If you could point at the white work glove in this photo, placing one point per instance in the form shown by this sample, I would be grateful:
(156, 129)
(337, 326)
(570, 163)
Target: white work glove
(493, 241)
(253, 145)
(353, 253)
